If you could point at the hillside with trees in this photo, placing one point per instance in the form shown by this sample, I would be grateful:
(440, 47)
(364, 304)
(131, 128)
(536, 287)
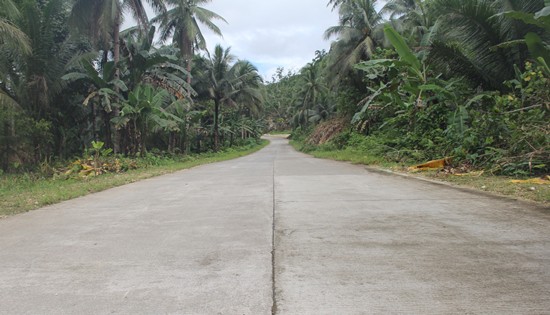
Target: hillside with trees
(426, 79)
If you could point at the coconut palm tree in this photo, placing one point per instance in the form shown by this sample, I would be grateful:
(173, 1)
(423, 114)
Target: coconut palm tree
(313, 87)
(12, 39)
(216, 78)
(34, 79)
(412, 18)
(398, 8)
(182, 24)
(470, 36)
(355, 34)
(31, 83)
(228, 83)
(249, 92)
(101, 20)
(10, 34)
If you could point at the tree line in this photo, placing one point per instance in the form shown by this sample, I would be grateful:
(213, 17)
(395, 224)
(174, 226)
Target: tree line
(70, 77)
(424, 79)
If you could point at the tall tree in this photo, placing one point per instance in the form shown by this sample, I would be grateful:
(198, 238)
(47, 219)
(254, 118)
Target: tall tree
(229, 83)
(412, 18)
(12, 39)
(355, 33)
(313, 90)
(101, 20)
(182, 24)
(10, 34)
(471, 35)
(249, 92)
(31, 83)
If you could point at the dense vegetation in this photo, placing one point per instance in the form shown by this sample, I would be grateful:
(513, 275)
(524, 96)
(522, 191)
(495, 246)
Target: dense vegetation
(416, 80)
(426, 79)
(73, 84)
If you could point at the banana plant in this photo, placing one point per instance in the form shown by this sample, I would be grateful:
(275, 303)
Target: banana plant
(104, 84)
(539, 49)
(415, 83)
(105, 92)
(404, 85)
(144, 112)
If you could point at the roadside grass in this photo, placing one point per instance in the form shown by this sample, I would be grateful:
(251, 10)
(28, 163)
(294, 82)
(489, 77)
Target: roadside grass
(347, 155)
(276, 133)
(352, 156)
(22, 192)
(500, 185)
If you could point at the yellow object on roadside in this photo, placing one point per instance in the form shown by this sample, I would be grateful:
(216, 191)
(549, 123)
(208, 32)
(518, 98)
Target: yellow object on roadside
(538, 181)
(430, 165)
(475, 174)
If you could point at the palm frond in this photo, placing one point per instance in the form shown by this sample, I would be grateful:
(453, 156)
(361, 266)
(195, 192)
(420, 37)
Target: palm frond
(12, 36)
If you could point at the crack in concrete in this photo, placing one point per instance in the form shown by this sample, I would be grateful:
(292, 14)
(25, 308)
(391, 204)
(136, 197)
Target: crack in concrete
(273, 285)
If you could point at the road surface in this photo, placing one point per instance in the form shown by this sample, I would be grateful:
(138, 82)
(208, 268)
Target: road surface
(278, 232)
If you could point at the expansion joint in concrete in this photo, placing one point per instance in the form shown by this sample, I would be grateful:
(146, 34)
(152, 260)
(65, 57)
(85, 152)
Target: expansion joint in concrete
(273, 283)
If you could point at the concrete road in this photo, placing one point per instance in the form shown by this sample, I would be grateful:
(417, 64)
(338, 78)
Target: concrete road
(346, 240)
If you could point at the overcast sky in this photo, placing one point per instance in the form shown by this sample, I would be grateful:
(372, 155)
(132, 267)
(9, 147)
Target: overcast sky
(271, 34)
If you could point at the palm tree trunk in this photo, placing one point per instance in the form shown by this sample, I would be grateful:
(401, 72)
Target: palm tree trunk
(116, 57)
(216, 129)
(105, 57)
(186, 51)
(189, 76)
(8, 133)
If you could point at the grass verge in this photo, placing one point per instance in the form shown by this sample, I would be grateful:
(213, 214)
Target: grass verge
(500, 185)
(21, 193)
(278, 133)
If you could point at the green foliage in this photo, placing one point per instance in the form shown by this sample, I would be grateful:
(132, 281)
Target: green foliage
(509, 133)
(456, 84)
(355, 35)
(229, 84)
(403, 49)
(24, 141)
(280, 100)
(538, 48)
(506, 133)
(181, 23)
(471, 39)
(63, 90)
(421, 117)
